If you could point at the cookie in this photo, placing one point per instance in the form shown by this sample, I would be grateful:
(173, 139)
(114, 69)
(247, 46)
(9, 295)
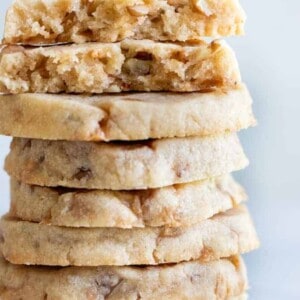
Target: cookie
(223, 235)
(124, 165)
(126, 66)
(135, 116)
(175, 206)
(40, 22)
(222, 279)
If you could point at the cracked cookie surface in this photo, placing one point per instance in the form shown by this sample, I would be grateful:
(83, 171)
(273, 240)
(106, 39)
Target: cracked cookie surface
(124, 165)
(45, 22)
(134, 116)
(223, 235)
(174, 206)
(127, 66)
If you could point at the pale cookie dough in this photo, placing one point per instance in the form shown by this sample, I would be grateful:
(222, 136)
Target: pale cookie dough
(126, 66)
(223, 235)
(175, 206)
(124, 166)
(224, 279)
(135, 116)
(54, 21)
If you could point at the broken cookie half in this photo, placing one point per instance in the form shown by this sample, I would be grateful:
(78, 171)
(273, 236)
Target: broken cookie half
(55, 21)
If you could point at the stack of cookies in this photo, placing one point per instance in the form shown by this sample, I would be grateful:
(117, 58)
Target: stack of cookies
(124, 122)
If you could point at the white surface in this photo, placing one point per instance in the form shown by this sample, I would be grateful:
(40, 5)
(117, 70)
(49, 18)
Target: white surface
(269, 59)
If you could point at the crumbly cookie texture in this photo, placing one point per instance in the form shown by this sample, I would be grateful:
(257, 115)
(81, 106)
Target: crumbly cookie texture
(124, 165)
(175, 206)
(224, 279)
(223, 235)
(126, 66)
(55, 21)
(135, 116)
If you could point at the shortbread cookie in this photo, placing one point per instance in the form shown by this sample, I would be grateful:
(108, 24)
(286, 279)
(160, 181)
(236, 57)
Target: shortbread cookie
(224, 279)
(175, 206)
(125, 116)
(223, 235)
(124, 166)
(126, 66)
(54, 21)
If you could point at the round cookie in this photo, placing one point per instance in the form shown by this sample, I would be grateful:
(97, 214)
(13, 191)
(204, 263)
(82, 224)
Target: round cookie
(223, 235)
(174, 206)
(124, 166)
(112, 68)
(135, 116)
(222, 279)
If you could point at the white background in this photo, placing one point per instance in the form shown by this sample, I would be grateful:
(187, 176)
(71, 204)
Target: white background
(269, 60)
